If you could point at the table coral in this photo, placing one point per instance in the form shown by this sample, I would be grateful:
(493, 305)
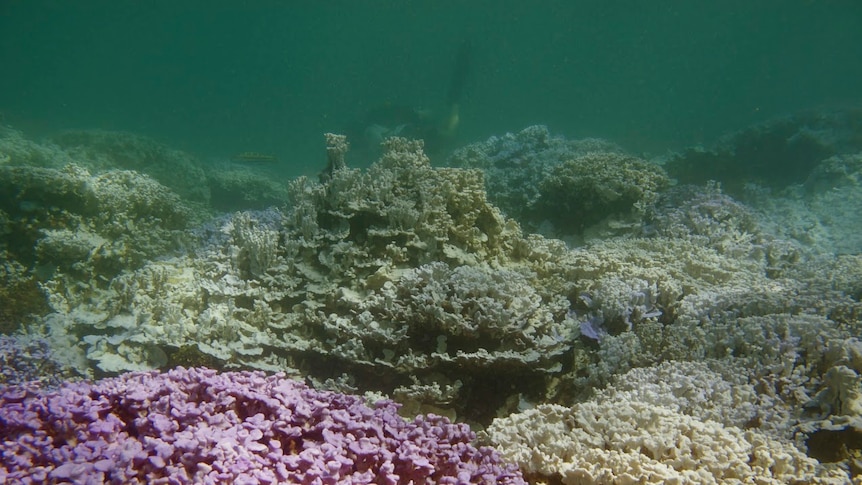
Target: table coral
(199, 426)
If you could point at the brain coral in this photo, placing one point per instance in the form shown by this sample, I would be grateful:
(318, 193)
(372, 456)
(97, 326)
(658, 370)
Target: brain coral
(199, 426)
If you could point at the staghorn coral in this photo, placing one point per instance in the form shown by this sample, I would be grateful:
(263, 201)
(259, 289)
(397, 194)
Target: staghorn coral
(199, 426)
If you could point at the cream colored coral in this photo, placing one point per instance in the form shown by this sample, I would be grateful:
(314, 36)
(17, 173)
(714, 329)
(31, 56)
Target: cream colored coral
(628, 442)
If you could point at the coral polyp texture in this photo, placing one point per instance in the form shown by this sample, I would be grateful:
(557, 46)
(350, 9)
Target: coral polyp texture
(198, 426)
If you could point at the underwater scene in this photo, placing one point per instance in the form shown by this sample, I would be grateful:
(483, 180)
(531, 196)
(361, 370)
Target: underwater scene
(422, 242)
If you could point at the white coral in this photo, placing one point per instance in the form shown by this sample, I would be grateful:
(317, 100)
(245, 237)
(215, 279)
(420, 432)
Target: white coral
(628, 442)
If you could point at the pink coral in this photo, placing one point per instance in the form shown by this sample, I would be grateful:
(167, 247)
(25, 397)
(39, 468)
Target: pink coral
(201, 426)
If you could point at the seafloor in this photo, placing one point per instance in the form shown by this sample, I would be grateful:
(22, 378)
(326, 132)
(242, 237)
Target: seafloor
(597, 317)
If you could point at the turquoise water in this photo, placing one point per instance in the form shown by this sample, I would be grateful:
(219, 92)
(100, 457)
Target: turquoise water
(218, 78)
(633, 251)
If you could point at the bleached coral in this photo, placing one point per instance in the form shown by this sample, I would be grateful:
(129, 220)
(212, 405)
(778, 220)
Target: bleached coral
(776, 153)
(17, 149)
(676, 422)
(403, 277)
(100, 150)
(70, 232)
(584, 190)
(607, 441)
(516, 165)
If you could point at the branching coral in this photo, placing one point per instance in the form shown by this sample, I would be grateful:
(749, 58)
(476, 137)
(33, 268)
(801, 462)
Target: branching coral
(198, 426)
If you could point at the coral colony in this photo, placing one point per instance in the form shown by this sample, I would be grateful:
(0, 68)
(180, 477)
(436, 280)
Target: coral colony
(600, 317)
(201, 426)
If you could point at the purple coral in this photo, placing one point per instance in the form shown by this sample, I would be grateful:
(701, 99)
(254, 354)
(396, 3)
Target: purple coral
(201, 426)
(27, 360)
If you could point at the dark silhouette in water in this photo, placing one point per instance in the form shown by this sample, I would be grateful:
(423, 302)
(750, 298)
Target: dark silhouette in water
(436, 127)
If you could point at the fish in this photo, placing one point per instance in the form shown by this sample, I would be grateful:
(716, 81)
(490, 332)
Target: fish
(254, 157)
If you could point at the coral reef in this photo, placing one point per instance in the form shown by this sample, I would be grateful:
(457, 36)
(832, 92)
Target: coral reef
(234, 187)
(709, 333)
(660, 427)
(776, 153)
(106, 150)
(592, 187)
(30, 361)
(68, 220)
(198, 426)
(20, 295)
(403, 277)
(17, 149)
(519, 173)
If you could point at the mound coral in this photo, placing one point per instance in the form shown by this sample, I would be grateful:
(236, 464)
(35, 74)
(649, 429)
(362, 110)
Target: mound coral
(586, 189)
(561, 186)
(199, 426)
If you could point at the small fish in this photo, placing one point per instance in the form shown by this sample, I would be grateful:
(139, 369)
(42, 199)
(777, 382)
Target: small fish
(253, 157)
